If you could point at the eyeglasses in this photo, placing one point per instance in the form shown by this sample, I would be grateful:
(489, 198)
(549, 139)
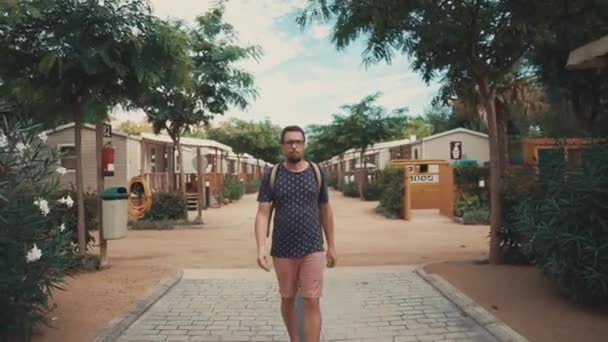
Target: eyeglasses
(297, 143)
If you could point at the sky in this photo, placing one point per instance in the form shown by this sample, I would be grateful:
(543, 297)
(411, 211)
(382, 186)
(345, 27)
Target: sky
(302, 78)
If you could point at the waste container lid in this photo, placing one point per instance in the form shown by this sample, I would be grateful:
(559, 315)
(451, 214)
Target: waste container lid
(116, 193)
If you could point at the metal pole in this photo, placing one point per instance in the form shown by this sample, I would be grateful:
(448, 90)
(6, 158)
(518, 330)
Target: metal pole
(300, 314)
(103, 243)
(200, 183)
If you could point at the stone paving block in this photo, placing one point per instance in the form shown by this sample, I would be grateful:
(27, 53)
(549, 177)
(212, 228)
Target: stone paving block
(359, 304)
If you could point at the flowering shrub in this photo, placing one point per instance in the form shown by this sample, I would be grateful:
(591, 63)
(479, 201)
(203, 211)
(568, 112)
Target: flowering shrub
(35, 246)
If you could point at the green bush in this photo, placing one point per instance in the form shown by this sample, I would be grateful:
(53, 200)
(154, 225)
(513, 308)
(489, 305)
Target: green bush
(467, 203)
(565, 225)
(371, 192)
(160, 225)
(391, 193)
(476, 216)
(233, 188)
(350, 190)
(167, 206)
(35, 244)
(520, 181)
(70, 217)
(332, 182)
(252, 187)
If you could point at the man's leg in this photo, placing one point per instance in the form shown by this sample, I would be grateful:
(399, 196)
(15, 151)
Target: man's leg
(311, 280)
(287, 276)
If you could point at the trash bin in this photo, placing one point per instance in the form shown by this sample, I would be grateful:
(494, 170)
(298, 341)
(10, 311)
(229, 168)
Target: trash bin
(115, 212)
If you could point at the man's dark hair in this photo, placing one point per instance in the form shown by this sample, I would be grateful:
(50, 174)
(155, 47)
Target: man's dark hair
(293, 128)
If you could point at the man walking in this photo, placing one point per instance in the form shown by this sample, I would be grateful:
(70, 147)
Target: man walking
(298, 193)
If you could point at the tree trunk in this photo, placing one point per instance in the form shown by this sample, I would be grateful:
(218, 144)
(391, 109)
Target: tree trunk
(82, 244)
(496, 169)
(180, 162)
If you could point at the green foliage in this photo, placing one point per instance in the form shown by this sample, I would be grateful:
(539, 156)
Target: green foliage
(350, 190)
(443, 119)
(476, 216)
(82, 57)
(233, 188)
(252, 186)
(167, 206)
(148, 224)
(466, 203)
(392, 192)
(372, 192)
(366, 123)
(134, 128)
(70, 216)
(565, 224)
(469, 195)
(35, 246)
(578, 98)
(520, 183)
(261, 139)
(332, 182)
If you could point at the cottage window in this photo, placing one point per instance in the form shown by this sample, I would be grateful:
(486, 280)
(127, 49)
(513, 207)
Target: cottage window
(68, 157)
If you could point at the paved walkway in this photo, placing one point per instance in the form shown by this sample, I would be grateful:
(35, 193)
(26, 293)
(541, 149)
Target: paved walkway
(373, 304)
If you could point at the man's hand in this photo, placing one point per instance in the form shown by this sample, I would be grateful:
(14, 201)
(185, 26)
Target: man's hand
(332, 258)
(264, 260)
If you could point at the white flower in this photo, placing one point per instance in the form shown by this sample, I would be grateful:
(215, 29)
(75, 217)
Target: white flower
(67, 201)
(3, 140)
(62, 227)
(21, 147)
(43, 205)
(62, 170)
(33, 254)
(42, 136)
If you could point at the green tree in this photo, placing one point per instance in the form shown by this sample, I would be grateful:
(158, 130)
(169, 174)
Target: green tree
(417, 126)
(366, 123)
(79, 59)
(266, 142)
(134, 128)
(237, 134)
(574, 94)
(444, 118)
(466, 43)
(213, 84)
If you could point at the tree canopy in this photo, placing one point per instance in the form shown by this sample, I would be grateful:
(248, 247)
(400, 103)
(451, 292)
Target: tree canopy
(472, 46)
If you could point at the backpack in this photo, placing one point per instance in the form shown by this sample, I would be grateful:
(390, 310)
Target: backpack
(273, 178)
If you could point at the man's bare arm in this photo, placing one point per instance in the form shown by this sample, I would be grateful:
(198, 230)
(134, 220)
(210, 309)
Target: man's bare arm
(261, 225)
(327, 220)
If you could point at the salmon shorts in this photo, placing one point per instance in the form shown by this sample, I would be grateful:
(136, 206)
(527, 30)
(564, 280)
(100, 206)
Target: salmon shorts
(305, 272)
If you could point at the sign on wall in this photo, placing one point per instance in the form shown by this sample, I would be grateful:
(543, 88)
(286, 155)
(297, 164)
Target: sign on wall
(107, 130)
(424, 179)
(455, 150)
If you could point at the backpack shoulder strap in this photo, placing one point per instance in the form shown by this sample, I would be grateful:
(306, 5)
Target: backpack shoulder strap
(315, 167)
(273, 176)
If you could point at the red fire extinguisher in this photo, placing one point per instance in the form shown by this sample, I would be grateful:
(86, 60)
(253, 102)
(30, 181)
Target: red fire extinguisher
(107, 159)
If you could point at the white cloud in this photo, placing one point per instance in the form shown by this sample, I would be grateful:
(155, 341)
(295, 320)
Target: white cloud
(317, 80)
(254, 20)
(320, 31)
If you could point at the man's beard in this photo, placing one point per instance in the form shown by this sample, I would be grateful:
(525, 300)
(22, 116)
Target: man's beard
(294, 160)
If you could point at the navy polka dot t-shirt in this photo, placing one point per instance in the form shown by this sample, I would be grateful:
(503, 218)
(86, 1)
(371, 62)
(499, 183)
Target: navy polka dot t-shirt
(297, 226)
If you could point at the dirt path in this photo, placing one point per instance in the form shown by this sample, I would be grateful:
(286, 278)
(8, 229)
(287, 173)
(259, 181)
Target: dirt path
(139, 261)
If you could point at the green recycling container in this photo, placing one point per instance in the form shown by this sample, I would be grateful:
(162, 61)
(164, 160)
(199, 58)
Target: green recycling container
(115, 212)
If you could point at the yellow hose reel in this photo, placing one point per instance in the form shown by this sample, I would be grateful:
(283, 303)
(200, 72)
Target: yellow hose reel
(140, 198)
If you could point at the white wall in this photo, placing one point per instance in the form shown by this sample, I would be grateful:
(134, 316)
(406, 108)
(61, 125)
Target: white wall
(133, 158)
(473, 147)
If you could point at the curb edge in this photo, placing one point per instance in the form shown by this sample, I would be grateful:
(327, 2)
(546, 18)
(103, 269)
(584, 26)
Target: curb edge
(112, 331)
(481, 316)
